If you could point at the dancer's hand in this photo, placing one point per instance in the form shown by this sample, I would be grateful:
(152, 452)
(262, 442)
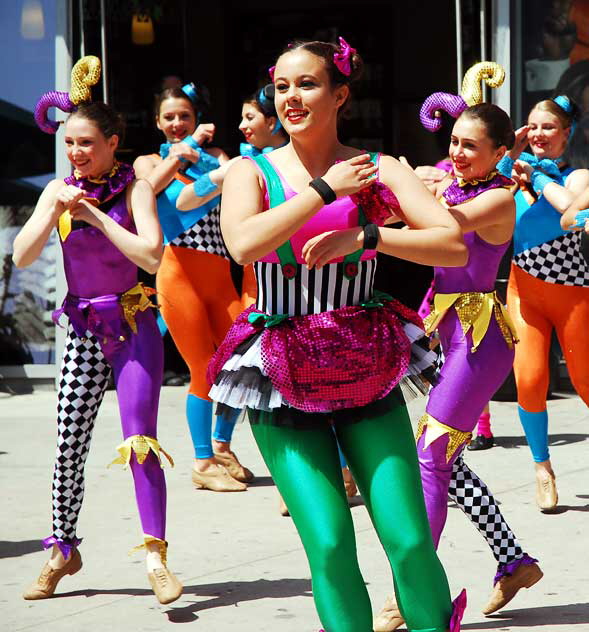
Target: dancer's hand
(204, 133)
(67, 197)
(350, 176)
(523, 172)
(218, 175)
(323, 248)
(85, 211)
(521, 141)
(182, 150)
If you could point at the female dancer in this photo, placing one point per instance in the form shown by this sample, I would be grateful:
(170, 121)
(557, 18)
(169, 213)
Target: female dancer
(198, 299)
(314, 245)
(264, 133)
(549, 281)
(260, 125)
(477, 340)
(108, 227)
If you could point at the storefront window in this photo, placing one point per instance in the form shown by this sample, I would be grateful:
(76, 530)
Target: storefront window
(555, 40)
(27, 297)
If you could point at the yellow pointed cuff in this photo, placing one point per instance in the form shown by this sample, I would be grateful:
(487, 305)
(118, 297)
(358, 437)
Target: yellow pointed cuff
(141, 445)
(149, 539)
(435, 429)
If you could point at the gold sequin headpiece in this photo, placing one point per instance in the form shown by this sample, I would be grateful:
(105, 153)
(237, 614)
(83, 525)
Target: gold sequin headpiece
(471, 94)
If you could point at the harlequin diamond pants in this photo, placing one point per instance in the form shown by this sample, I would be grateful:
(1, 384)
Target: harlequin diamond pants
(137, 365)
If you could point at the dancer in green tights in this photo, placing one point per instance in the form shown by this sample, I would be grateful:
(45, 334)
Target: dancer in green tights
(321, 347)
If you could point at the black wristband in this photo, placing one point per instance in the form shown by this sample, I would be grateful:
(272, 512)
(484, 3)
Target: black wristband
(325, 191)
(370, 237)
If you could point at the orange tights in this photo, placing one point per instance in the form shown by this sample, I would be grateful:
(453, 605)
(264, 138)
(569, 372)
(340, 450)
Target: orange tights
(199, 304)
(538, 307)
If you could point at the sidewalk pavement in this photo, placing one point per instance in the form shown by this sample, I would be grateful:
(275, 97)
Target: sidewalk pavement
(241, 563)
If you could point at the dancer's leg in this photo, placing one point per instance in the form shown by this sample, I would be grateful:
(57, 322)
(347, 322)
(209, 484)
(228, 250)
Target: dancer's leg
(381, 454)
(467, 381)
(82, 382)
(138, 366)
(305, 467)
(471, 494)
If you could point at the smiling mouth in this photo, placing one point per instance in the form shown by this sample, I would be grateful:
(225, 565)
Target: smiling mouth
(295, 116)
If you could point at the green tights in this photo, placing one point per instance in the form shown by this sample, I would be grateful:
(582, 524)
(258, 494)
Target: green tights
(381, 455)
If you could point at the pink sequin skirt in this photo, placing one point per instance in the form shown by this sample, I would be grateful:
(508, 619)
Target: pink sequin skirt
(335, 360)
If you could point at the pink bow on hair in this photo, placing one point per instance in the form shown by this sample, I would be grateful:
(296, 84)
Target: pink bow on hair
(271, 72)
(342, 58)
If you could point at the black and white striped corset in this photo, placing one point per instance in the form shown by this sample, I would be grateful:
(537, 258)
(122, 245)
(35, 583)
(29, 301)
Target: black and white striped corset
(312, 291)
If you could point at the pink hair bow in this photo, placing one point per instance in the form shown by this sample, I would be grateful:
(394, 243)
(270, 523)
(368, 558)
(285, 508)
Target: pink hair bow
(271, 72)
(342, 58)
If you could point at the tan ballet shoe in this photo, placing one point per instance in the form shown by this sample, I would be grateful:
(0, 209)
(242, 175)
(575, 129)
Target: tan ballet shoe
(217, 479)
(165, 585)
(47, 582)
(546, 493)
(236, 470)
(349, 483)
(389, 618)
(282, 508)
(507, 587)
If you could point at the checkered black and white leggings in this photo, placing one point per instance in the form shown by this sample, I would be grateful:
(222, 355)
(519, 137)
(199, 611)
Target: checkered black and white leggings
(83, 379)
(469, 492)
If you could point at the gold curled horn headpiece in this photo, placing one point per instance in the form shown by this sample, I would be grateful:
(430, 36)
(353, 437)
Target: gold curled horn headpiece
(490, 72)
(85, 73)
(472, 93)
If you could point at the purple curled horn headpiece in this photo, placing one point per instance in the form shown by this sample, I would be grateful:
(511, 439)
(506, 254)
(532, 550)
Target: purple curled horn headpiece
(85, 73)
(488, 71)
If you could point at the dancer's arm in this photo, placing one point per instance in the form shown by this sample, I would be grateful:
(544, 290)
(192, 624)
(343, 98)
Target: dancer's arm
(201, 190)
(559, 196)
(433, 236)
(580, 203)
(33, 236)
(145, 248)
(492, 209)
(160, 172)
(250, 233)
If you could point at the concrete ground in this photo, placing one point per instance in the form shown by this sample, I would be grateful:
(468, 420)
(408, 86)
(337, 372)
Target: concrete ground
(241, 563)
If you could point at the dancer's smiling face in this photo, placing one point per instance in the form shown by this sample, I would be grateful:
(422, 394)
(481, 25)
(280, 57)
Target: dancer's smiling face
(87, 148)
(255, 126)
(547, 136)
(472, 152)
(176, 119)
(305, 99)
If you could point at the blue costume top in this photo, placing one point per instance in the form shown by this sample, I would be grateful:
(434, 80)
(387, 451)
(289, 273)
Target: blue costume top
(542, 248)
(536, 224)
(173, 221)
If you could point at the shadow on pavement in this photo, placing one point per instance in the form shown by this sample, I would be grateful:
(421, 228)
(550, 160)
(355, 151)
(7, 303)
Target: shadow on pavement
(232, 593)
(16, 549)
(554, 440)
(570, 614)
(262, 481)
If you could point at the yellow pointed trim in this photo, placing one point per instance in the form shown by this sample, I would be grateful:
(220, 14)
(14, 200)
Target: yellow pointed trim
(136, 300)
(64, 225)
(141, 445)
(150, 539)
(435, 429)
(474, 310)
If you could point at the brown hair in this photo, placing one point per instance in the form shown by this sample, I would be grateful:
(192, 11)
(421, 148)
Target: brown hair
(106, 119)
(326, 51)
(173, 93)
(497, 123)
